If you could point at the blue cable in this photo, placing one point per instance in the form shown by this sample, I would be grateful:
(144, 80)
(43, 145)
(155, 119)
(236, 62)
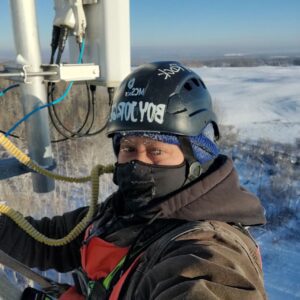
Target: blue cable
(9, 132)
(79, 61)
(2, 93)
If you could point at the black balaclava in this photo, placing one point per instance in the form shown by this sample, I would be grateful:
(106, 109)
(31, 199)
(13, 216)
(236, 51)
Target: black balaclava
(140, 183)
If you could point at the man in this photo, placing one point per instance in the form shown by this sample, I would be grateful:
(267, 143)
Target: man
(175, 228)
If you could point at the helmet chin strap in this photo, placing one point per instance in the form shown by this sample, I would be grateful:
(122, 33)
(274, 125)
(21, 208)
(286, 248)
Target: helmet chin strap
(194, 168)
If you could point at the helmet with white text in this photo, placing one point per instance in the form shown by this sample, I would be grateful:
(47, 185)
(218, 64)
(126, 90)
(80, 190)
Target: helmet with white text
(162, 97)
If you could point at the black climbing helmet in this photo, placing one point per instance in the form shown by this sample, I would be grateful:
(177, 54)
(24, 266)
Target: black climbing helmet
(162, 97)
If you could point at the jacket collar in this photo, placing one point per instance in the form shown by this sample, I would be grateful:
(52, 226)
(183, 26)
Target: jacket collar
(217, 196)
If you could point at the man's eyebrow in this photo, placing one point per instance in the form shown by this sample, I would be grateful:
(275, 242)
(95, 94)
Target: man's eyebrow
(150, 142)
(127, 141)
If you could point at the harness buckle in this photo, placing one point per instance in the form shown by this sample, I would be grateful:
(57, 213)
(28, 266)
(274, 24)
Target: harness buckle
(34, 294)
(82, 282)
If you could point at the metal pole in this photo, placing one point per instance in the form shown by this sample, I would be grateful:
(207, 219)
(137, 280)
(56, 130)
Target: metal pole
(8, 290)
(34, 93)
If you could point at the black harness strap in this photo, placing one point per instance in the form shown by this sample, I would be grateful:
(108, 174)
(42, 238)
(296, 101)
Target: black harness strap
(97, 291)
(187, 149)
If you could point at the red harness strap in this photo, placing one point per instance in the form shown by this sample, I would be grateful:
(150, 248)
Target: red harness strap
(99, 258)
(72, 294)
(117, 288)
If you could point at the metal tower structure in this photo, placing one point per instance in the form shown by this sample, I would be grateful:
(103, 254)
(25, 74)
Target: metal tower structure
(104, 25)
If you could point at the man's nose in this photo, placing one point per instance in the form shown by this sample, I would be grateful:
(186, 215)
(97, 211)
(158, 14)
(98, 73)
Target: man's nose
(143, 157)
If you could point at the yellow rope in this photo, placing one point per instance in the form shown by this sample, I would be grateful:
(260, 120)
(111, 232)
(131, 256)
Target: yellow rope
(24, 224)
(25, 159)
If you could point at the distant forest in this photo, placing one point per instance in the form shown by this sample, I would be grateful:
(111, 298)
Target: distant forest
(225, 61)
(222, 61)
(245, 61)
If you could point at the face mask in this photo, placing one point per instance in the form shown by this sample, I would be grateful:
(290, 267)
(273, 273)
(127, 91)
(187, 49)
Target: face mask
(139, 183)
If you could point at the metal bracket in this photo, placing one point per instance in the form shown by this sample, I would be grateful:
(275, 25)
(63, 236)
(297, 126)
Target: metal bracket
(86, 2)
(17, 73)
(53, 73)
(71, 72)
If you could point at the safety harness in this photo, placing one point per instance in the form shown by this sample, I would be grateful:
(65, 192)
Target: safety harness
(110, 287)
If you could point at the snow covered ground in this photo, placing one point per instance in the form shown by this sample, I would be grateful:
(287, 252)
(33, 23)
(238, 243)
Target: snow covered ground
(281, 259)
(261, 105)
(261, 102)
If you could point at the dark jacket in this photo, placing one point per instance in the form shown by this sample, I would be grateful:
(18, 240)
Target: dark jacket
(216, 261)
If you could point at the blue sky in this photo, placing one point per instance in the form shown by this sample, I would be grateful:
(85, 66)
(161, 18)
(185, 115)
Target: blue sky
(192, 26)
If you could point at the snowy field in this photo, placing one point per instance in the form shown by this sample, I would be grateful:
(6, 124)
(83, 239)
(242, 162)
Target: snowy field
(261, 106)
(261, 102)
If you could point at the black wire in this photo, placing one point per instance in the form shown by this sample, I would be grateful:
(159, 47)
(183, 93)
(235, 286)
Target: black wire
(92, 89)
(58, 35)
(87, 134)
(52, 116)
(101, 129)
(54, 42)
(2, 131)
(10, 87)
(92, 120)
(63, 36)
(51, 88)
(12, 135)
(55, 115)
(59, 38)
(110, 94)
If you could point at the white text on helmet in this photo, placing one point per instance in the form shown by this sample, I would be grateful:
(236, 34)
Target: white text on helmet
(173, 69)
(138, 112)
(134, 91)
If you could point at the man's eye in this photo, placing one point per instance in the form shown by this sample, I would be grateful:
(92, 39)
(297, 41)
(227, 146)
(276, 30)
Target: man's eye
(127, 149)
(156, 152)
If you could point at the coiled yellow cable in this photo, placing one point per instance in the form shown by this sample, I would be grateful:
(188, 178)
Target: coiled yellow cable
(25, 225)
(25, 159)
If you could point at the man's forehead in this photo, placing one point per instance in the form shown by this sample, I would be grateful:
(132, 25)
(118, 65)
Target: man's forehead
(140, 140)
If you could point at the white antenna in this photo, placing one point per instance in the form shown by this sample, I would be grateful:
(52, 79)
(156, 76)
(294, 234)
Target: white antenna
(107, 39)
